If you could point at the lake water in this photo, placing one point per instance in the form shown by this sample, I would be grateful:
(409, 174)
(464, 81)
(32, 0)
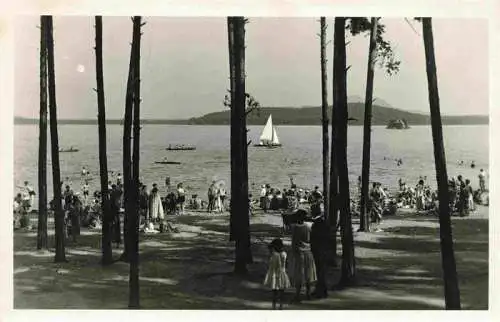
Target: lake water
(300, 155)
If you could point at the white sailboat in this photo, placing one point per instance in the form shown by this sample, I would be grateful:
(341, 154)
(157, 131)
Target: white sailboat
(269, 137)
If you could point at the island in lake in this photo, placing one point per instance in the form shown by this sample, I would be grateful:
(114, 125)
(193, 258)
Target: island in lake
(399, 124)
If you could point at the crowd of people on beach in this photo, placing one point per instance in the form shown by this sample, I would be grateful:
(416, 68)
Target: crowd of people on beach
(84, 208)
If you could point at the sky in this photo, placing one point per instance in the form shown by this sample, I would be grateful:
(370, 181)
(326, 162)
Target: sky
(185, 69)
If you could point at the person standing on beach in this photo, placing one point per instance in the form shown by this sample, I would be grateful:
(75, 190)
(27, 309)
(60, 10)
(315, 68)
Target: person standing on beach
(181, 198)
(28, 196)
(85, 191)
(468, 198)
(222, 195)
(263, 192)
(304, 269)
(211, 197)
(482, 180)
(115, 203)
(155, 207)
(167, 184)
(277, 278)
(144, 204)
(319, 242)
(67, 195)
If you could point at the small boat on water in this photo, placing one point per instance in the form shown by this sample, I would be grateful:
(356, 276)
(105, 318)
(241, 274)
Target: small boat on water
(269, 137)
(180, 147)
(71, 149)
(165, 161)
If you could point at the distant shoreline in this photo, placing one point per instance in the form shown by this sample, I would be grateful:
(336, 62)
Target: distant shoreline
(318, 125)
(296, 116)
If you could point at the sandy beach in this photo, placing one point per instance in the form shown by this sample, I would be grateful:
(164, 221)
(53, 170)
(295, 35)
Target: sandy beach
(192, 269)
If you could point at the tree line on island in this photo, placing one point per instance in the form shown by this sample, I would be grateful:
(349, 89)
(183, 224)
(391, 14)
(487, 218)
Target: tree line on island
(242, 106)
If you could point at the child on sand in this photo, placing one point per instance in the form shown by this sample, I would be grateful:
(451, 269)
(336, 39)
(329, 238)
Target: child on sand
(276, 277)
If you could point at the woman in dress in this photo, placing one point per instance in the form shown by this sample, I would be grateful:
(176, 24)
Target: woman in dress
(304, 270)
(155, 207)
(277, 278)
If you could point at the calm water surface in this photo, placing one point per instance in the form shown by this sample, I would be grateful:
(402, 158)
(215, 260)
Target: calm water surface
(299, 157)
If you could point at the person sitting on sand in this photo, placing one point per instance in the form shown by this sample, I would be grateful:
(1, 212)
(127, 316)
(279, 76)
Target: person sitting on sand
(195, 202)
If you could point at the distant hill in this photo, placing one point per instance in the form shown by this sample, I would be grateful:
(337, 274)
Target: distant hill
(298, 116)
(312, 116)
(28, 121)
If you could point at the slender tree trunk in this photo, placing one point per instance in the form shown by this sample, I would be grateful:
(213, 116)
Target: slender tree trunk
(244, 139)
(235, 161)
(56, 173)
(133, 221)
(451, 289)
(348, 262)
(127, 152)
(365, 171)
(41, 241)
(333, 191)
(324, 112)
(107, 252)
(243, 252)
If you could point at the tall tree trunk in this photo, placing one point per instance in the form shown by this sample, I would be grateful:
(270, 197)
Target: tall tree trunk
(235, 160)
(54, 140)
(333, 191)
(245, 204)
(324, 112)
(107, 252)
(365, 171)
(348, 262)
(242, 238)
(133, 220)
(127, 151)
(41, 241)
(451, 289)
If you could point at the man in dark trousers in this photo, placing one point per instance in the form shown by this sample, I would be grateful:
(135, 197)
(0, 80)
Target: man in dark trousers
(115, 196)
(319, 243)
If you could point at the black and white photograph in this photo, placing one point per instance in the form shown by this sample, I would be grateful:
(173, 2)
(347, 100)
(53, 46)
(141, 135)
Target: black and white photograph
(241, 162)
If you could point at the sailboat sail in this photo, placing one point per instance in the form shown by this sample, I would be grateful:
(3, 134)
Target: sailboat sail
(276, 140)
(267, 134)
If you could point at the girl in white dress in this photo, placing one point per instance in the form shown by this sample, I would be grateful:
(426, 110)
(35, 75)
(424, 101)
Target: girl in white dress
(277, 278)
